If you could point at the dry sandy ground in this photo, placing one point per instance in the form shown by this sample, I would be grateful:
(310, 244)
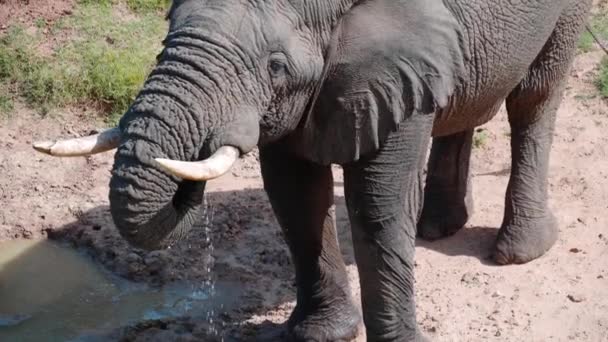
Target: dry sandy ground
(461, 294)
(27, 11)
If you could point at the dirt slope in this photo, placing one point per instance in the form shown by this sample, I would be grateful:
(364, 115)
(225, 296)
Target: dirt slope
(29, 11)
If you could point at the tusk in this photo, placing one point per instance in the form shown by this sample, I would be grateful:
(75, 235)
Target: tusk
(213, 167)
(79, 147)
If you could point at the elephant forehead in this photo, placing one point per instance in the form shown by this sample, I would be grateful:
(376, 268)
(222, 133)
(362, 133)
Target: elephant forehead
(226, 16)
(245, 21)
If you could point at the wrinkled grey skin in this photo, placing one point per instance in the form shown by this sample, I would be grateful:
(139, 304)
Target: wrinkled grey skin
(364, 84)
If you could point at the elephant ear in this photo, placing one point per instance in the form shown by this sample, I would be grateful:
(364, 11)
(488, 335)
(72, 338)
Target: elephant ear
(388, 60)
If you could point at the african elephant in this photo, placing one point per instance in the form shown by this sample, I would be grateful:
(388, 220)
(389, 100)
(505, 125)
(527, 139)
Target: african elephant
(364, 84)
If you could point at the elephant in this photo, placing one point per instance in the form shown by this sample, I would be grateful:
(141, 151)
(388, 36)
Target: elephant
(368, 85)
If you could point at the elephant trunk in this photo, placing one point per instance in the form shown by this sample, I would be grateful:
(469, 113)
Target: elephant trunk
(180, 115)
(153, 222)
(150, 207)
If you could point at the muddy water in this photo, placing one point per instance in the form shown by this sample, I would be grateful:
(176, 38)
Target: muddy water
(49, 292)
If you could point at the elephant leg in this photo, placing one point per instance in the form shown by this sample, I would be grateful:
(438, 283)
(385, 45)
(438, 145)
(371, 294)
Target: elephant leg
(529, 228)
(384, 196)
(448, 201)
(302, 197)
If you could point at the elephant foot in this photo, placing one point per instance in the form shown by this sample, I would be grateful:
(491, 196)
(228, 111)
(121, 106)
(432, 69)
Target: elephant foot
(437, 226)
(334, 322)
(524, 240)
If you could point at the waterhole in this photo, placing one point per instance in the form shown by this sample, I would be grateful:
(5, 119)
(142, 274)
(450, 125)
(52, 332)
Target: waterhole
(50, 292)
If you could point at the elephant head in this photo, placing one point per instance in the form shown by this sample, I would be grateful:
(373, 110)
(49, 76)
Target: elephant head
(331, 78)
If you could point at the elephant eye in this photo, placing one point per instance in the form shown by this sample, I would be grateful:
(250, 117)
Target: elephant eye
(277, 65)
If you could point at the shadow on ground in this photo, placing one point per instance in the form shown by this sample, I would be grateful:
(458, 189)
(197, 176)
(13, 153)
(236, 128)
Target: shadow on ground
(476, 242)
(247, 249)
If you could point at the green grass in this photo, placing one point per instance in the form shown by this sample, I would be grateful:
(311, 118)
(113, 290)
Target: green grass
(480, 138)
(599, 25)
(104, 61)
(40, 23)
(139, 6)
(6, 105)
(602, 80)
(148, 5)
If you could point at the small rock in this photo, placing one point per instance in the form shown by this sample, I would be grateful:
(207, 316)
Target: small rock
(469, 278)
(496, 294)
(476, 278)
(132, 257)
(497, 334)
(155, 261)
(575, 250)
(576, 298)
(600, 277)
(581, 221)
